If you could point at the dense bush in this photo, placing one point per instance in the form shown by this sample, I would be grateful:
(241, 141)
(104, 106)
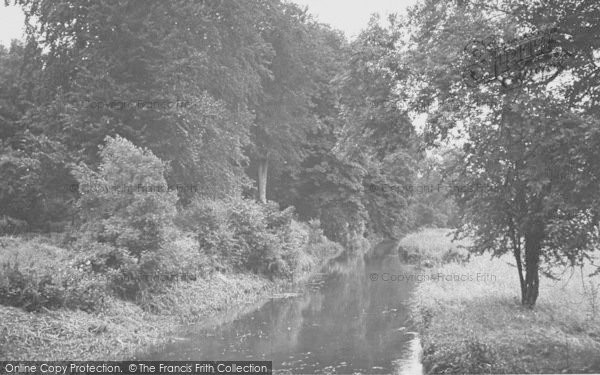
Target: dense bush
(262, 234)
(34, 275)
(127, 212)
(231, 232)
(127, 231)
(209, 221)
(239, 234)
(126, 203)
(318, 244)
(130, 276)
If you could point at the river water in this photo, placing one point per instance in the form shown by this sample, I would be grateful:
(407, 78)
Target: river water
(340, 322)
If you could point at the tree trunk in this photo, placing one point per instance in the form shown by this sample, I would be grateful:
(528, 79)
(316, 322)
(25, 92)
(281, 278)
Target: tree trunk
(517, 253)
(263, 167)
(533, 242)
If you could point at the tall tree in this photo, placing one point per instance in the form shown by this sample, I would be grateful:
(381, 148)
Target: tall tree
(362, 156)
(177, 77)
(284, 114)
(372, 95)
(529, 159)
(31, 163)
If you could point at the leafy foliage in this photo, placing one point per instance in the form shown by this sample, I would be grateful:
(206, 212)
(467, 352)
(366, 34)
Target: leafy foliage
(34, 275)
(239, 234)
(432, 202)
(127, 212)
(529, 152)
(127, 202)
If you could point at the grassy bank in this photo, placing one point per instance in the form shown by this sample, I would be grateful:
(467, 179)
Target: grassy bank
(477, 325)
(121, 328)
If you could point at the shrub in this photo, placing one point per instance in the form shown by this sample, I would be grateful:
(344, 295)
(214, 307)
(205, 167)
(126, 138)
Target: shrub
(470, 356)
(126, 203)
(315, 232)
(84, 291)
(117, 264)
(131, 277)
(457, 255)
(127, 211)
(34, 275)
(240, 234)
(181, 257)
(209, 221)
(318, 244)
(256, 246)
(335, 223)
(296, 236)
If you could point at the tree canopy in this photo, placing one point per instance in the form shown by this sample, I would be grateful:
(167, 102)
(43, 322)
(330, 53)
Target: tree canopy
(231, 95)
(530, 153)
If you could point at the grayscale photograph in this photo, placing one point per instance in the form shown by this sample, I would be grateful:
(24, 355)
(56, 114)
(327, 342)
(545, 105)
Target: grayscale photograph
(299, 187)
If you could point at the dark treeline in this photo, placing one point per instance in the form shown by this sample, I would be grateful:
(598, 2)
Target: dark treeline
(190, 137)
(250, 99)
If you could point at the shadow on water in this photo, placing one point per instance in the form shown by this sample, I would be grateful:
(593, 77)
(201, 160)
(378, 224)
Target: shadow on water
(341, 322)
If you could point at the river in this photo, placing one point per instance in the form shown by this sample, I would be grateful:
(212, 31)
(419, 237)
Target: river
(340, 322)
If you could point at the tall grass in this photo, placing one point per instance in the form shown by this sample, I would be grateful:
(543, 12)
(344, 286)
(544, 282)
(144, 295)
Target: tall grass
(478, 325)
(434, 245)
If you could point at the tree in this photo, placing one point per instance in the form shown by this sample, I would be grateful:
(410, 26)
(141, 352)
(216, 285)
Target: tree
(284, 114)
(531, 196)
(103, 62)
(31, 163)
(372, 96)
(361, 156)
(377, 131)
(529, 160)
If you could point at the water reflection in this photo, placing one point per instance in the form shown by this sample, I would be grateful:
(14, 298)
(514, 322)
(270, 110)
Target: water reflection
(342, 322)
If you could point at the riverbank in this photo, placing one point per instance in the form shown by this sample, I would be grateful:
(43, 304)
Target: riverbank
(122, 328)
(471, 321)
